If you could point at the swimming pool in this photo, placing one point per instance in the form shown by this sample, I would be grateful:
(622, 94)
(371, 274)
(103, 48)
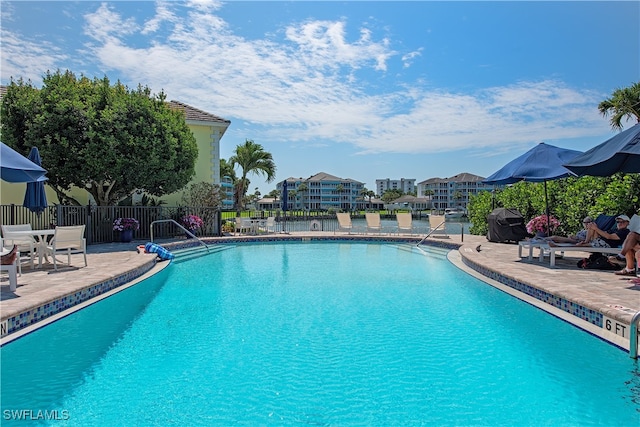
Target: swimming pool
(318, 333)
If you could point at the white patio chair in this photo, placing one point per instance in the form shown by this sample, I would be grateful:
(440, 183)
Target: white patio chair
(269, 226)
(11, 268)
(25, 243)
(68, 240)
(242, 225)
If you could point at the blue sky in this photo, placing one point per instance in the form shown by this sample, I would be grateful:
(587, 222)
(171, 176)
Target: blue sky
(357, 89)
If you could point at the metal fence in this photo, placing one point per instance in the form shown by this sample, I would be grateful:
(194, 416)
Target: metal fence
(99, 219)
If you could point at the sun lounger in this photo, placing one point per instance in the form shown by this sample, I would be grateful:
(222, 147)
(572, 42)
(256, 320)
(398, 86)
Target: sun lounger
(405, 222)
(344, 221)
(373, 221)
(568, 247)
(437, 226)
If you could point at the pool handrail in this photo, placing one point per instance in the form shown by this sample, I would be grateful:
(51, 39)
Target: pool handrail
(443, 222)
(179, 225)
(633, 339)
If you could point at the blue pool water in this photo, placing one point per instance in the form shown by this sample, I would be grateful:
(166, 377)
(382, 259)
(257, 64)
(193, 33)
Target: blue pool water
(323, 334)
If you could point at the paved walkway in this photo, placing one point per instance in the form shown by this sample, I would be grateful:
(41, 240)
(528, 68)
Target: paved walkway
(613, 296)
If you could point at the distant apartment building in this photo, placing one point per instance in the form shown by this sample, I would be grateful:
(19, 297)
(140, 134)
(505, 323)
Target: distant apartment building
(452, 192)
(226, 191)
(407, 186)
(322, 191)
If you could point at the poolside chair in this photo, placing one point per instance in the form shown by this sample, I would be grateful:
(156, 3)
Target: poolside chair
(10, 264)
(242, 226)
(373, 221)
(269, 226)
(25, 243)
(344, 221)
(437, 226)
(405, 222)
(68, 240)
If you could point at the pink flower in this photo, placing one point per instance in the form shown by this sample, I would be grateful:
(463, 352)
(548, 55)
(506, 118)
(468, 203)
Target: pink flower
(539, 223)
(191, 222)
(121, 224)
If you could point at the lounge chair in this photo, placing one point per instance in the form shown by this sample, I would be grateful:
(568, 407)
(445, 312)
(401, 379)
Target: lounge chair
(344, 221)
(69, 240)
(373, 221)
(405, 222)
(437, 226)
(24, 242)
(604, 222)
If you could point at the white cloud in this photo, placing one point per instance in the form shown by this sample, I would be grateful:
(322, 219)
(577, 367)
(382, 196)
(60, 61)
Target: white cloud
(308, 87)
(28, 60)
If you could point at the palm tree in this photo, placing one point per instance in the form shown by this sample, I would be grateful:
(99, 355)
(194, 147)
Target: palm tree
(303, 189)
(251, 158)
(226, 169)
(624, 103)
(367, 193)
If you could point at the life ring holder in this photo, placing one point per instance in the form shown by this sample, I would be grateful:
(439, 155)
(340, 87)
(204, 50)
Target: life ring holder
(314, 225)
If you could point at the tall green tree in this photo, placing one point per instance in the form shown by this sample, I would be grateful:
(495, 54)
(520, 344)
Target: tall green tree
(252, 158)
(109, 140)
(623, 104)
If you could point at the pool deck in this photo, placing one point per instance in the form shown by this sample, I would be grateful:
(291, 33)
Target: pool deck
(600, 298)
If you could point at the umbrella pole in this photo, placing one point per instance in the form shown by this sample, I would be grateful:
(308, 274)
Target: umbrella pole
(546, 202)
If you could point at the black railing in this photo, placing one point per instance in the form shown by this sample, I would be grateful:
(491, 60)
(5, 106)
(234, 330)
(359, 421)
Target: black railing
(99, 219)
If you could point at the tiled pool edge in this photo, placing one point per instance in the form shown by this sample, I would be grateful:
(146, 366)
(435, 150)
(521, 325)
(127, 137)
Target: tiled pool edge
(589, 315)
(36, 314)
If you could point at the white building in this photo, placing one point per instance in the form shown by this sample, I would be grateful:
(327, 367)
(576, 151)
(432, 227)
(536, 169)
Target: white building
(405, 185)
(322, 192)
(452, 192)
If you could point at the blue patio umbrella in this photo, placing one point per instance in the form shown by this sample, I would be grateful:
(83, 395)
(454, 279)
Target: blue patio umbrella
(35, 198)
(285, 202)
(285, 196)
(14, 167)
(621, 153)
(542, 163)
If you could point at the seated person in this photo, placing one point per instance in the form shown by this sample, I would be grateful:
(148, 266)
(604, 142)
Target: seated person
(580, 236)
(607, 239)
(630, 250)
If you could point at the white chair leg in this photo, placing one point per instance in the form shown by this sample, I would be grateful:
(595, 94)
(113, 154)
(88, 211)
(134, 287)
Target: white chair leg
(13, 277)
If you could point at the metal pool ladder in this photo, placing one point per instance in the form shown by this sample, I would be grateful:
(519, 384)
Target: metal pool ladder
(179, 225)
(633, 343)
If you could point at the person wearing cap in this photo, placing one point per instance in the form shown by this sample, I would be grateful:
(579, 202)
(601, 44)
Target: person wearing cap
(607, 239)
(580, 236)
(630, 250)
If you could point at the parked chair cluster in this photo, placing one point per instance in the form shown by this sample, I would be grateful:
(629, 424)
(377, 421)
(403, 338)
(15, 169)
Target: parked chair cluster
(65, 240)
(254, 226)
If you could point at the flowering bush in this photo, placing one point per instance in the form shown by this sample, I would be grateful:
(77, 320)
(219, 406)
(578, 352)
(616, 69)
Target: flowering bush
(192, 222)
(539, 224)
(121, 224)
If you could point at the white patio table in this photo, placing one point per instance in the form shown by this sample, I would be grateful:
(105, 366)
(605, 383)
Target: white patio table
(41, 236)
